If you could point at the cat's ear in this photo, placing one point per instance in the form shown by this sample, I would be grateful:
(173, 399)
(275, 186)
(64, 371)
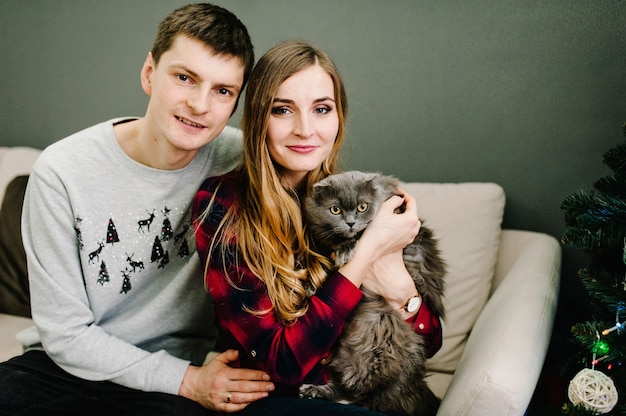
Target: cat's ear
(320, 186)
(390, 182)
(371, 178)
(388, 185)
(320, 189)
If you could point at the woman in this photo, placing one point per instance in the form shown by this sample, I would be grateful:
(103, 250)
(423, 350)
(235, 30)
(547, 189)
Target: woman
(250, 236)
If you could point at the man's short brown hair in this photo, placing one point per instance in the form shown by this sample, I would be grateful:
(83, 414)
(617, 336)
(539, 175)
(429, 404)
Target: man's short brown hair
(215, 26)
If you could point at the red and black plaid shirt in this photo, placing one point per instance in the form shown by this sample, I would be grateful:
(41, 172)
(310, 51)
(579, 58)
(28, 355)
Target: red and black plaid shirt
(290, 354)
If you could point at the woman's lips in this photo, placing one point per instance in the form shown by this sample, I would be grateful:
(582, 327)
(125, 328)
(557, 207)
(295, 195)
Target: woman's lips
(302, 149)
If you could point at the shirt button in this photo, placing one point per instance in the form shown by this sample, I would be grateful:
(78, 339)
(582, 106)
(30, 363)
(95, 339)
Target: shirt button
(421, 326)
(253, 353)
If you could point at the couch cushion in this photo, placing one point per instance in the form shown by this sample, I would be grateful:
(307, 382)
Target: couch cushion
(14, 298)
(466, 219)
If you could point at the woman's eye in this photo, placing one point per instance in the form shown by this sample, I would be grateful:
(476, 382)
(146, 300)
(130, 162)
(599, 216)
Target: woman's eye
(224, 91)
(323, 110)
(279, 111)
(362, 207)
(335, 210)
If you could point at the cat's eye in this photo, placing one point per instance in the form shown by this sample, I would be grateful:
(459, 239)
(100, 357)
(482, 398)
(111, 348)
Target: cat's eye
(362, 207)
(335, 210)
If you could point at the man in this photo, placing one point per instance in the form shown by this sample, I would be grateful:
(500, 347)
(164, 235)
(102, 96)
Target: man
(116, 287)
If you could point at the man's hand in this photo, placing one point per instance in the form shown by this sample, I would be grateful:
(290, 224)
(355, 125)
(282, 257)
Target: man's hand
(219, 387)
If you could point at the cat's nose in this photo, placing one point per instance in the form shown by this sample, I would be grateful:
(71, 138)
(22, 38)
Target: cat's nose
(350, 224)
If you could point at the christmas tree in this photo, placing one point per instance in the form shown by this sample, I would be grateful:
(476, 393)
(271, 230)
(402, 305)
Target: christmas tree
(596, 223)
(112, 236)
(103, 274)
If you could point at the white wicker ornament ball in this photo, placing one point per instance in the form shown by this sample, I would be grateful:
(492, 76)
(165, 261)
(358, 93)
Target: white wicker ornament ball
(594, 390)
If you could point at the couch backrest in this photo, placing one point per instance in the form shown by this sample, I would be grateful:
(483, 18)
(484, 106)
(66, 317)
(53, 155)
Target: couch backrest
(466, 219)
(15, 161)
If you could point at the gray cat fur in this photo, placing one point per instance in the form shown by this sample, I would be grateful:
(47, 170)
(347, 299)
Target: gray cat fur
(379, 361)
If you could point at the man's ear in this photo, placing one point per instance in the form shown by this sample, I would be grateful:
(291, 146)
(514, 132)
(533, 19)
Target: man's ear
(146, 74)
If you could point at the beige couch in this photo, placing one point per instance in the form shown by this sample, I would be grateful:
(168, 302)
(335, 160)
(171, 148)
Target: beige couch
(501, 296)
(14, 161)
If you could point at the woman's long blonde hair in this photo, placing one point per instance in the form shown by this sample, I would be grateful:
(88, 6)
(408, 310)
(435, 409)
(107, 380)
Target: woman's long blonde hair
(266, 217)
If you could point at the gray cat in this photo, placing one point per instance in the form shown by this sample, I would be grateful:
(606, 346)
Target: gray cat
(379, 360)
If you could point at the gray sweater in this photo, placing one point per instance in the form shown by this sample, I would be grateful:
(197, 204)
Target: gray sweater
(116, 288)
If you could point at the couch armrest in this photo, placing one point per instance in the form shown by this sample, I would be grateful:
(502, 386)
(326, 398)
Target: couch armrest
(10, 325)
(505, 351)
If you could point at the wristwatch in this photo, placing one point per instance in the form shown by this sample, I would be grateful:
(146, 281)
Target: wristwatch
(412, 304)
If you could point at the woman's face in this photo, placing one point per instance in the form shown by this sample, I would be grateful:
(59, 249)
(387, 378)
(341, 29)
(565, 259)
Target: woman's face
(303, 123)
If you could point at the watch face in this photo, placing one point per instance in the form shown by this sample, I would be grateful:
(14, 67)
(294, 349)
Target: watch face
(413, 304)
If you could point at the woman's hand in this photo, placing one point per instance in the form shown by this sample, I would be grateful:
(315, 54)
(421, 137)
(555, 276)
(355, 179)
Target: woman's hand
(388, 233)
(389, 278)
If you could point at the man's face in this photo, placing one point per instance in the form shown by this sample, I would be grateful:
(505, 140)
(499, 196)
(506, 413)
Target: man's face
(192, 92)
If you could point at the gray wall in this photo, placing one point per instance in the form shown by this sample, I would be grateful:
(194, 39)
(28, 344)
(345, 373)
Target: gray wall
(527, 94)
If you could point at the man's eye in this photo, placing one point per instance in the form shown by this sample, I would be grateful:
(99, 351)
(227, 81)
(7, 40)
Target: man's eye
(335, 210)
(182, 77)
(224, 91)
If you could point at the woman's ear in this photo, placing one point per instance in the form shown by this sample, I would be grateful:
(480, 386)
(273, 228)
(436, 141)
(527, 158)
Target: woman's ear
(146, 74)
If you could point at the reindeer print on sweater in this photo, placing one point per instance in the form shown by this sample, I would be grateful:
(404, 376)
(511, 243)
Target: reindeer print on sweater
(120, 254)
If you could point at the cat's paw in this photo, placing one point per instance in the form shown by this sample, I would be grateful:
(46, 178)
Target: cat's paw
(311, 391)
(308, 391)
